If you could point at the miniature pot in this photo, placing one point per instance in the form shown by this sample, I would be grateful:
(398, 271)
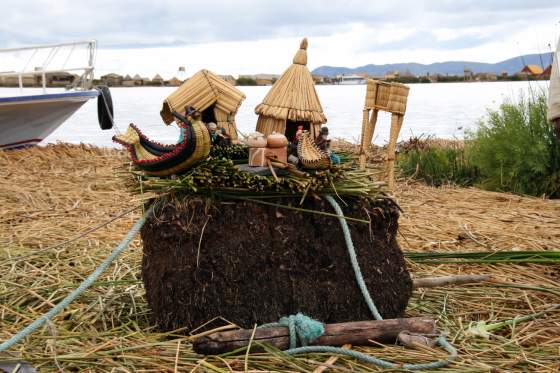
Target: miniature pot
(256, 140)
(276, 140)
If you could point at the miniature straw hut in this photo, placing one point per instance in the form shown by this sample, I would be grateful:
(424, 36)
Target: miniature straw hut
(217, 100)
(292, 101)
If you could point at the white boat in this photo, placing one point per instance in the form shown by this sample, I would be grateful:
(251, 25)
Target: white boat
(351, 79)
(29, 117)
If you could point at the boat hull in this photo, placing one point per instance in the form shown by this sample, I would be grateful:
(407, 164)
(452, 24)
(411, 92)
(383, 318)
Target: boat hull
(27, 120)
(352, 82)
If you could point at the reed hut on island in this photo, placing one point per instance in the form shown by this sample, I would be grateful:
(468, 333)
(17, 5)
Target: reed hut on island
(157, 80)
(292, 101)
(217, 100)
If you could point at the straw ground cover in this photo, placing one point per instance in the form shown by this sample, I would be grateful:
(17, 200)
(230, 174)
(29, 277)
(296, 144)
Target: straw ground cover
(52, 194)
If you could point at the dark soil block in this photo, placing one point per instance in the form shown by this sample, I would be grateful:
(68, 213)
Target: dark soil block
(257, 263)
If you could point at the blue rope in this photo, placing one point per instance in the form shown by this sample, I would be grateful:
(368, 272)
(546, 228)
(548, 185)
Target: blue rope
(80, 289)
(379, 362)
(294, 331)
(354, 259)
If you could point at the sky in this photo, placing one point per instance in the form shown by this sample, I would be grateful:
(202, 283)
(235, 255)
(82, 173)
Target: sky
(252, 36)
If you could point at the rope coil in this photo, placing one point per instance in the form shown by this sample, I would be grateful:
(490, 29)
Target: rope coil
(301, 327)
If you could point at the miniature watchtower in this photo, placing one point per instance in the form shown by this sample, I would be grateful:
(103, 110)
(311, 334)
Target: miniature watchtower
(391, 97)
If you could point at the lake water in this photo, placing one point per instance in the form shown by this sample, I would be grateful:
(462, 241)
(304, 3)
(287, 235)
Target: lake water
(444, 110)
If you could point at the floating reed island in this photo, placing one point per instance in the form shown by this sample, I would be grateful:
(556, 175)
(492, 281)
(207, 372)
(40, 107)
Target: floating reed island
(58, 193)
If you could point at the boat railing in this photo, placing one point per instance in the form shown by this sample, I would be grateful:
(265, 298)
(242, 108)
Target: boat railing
(84, 81)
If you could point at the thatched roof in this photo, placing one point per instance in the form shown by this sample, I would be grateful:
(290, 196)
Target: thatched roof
(293, 95)
(202, 90)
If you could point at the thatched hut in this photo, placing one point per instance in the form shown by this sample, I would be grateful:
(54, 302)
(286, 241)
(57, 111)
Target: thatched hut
(217, 100)
(292, 101)
(157, 80)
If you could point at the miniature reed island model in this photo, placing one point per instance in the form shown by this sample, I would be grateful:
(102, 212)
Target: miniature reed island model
(278, 225)
(273, 241)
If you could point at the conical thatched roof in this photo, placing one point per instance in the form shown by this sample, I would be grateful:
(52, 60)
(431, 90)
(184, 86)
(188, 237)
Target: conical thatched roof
(202, 90)
(293, 96)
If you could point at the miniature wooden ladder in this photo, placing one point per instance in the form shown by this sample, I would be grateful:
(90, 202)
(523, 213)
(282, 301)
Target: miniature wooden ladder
(390, 97)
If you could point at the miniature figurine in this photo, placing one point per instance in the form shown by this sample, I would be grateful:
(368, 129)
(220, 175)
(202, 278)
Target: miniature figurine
(324, 143)
(219, 135)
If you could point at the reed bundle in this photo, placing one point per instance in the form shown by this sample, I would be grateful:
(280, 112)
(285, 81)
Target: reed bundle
(55, 193)
(234, 152)
(220, 177)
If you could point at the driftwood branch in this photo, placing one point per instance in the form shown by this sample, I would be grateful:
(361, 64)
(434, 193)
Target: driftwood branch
(433, 282)
(355, 333)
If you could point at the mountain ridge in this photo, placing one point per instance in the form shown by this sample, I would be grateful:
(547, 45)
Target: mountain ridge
(511, 65)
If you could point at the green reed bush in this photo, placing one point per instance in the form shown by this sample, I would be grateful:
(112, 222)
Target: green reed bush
(515, 148)
(439, 165)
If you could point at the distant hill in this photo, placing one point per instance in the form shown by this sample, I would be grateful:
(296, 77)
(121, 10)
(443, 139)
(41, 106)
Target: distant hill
(512, 65)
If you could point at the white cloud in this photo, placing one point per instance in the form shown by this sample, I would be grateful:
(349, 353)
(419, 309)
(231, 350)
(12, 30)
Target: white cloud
(251, 36)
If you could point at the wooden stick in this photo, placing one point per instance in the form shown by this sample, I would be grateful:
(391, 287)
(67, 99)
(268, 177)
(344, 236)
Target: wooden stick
(433, 282)
(272, 169)
(288, 167)
(355, 333)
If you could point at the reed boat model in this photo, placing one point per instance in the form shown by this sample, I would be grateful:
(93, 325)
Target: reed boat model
(310, 155)
(164, 160)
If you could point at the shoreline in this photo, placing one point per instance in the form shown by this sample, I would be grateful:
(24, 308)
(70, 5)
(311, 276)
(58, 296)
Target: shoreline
(317, 84)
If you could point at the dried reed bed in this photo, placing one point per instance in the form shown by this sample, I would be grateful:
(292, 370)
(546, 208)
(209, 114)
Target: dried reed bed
(470, 219)
(54, 193)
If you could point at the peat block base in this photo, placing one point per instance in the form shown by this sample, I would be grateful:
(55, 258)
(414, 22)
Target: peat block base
(253, 263)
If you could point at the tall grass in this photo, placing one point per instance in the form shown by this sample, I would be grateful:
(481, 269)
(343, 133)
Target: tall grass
(513, 150)
(439, 165)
